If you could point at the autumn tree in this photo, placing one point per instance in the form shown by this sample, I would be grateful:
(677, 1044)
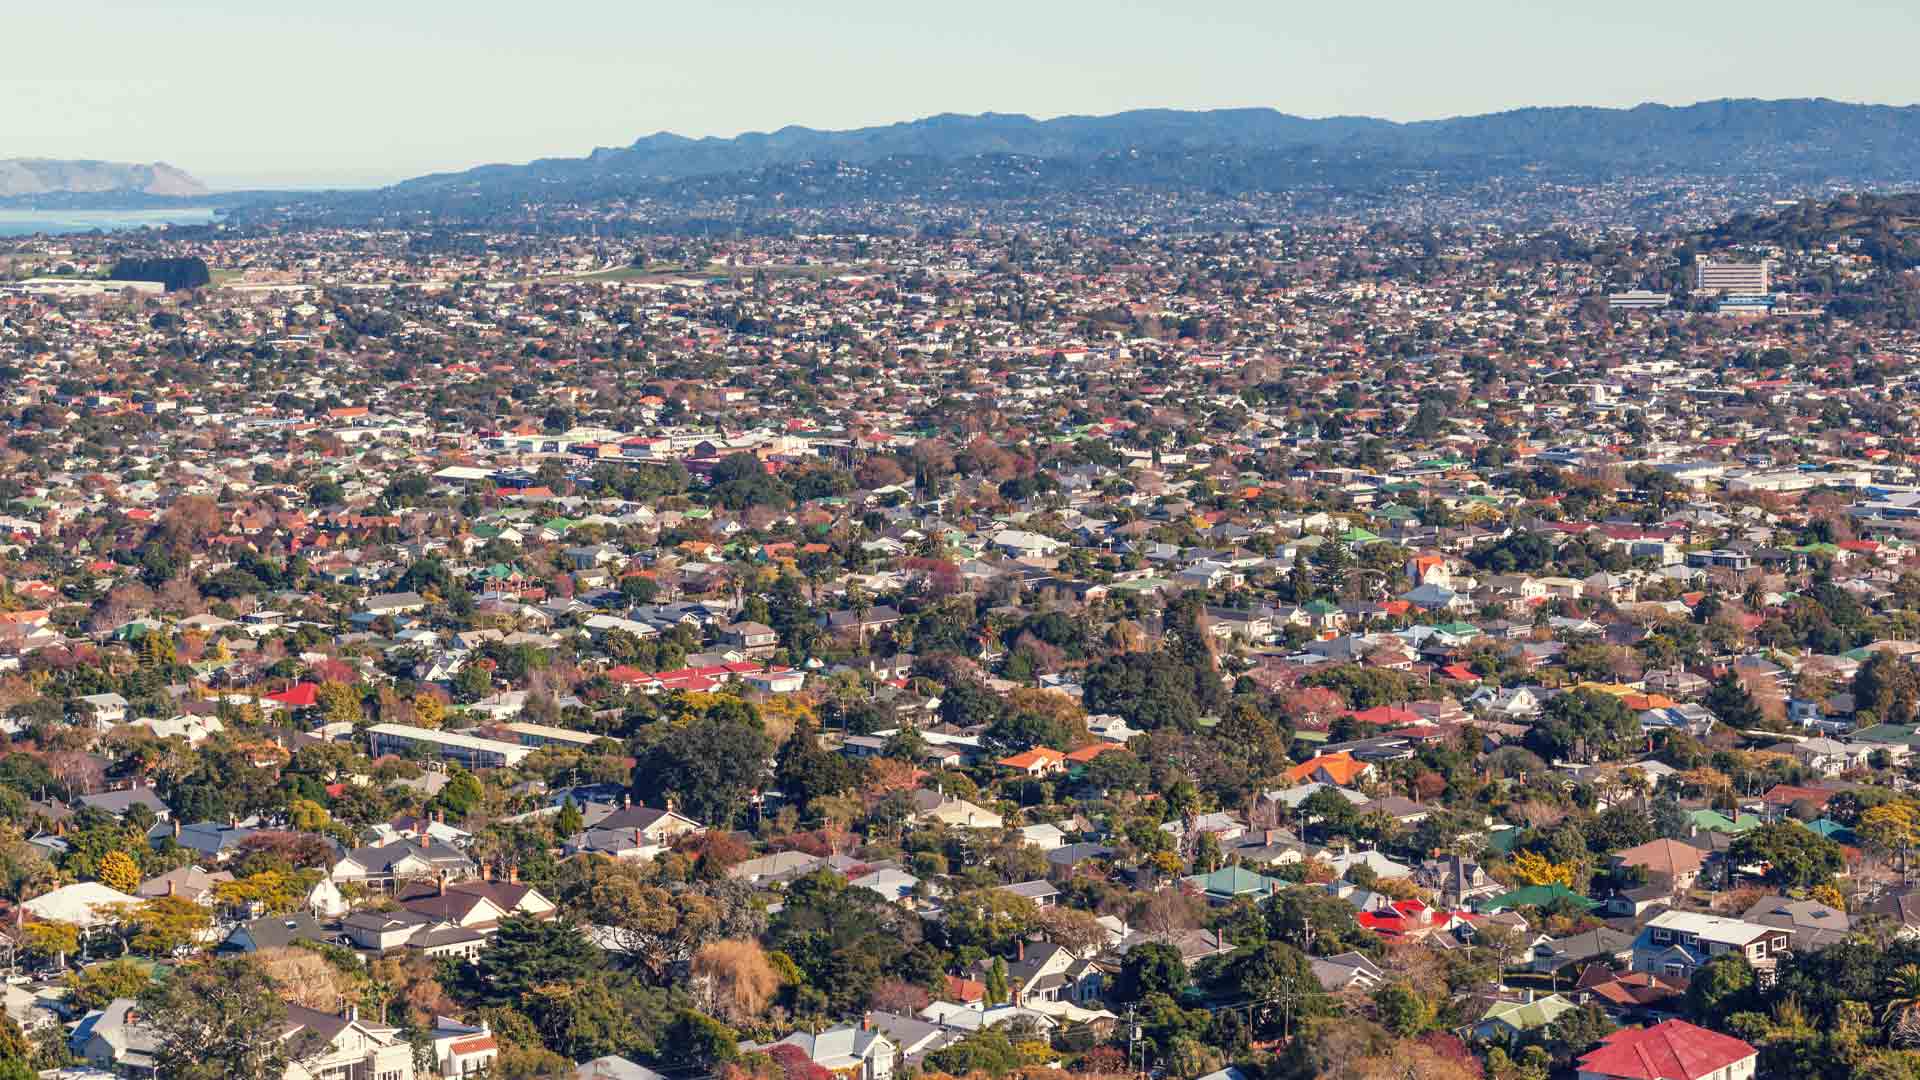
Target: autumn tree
(304, 977)
(118, 871)
(734, 980)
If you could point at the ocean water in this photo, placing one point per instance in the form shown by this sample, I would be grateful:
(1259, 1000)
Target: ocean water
(27, 222)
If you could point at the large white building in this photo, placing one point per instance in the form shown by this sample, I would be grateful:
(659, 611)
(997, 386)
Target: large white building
(471, 751)
(1746, 279)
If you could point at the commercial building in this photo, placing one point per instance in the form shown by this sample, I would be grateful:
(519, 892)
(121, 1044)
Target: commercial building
(1638, 300)
(471, 751)
(1711, 276)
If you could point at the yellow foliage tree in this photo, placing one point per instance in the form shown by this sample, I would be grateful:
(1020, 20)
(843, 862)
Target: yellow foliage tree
(339, 702)
(118, 871)
(1532, 869)
(51, 939)
(429, 710)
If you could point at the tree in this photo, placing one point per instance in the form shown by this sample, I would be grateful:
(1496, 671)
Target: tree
(997, 991)
(1400, 1010)
(339, 702)
(1534, 869)
(220, 1020)
(528, 953)
(735, 979)
(1890, 828)
(707, 765)
(117, 870)
(697, 1042)
(1889, 687)
(1587, 726)
(429, 709)
(1720, 987)
(1152, 968)
(304, 977)
(51, 939)
(1274, 972)
(569, 821)
(988, 919)
(1794, 855)
(94, 987)
(1732, 705)
(167, 924)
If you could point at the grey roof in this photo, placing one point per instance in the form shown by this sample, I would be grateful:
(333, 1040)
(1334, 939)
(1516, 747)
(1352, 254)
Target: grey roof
(614, 1067)
(276, 931)
(118, 803)
(131, 1042)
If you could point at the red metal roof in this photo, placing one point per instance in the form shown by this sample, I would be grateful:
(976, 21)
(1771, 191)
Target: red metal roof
(1674, 1050)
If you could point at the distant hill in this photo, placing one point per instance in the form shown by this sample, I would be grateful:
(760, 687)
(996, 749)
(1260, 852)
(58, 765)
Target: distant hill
(28, 177)
(1884, 227)
(1801, 139)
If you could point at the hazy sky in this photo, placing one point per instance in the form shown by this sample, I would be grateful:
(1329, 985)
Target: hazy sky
(267, 92)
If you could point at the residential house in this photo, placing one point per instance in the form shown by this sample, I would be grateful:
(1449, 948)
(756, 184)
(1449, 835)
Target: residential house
(1678, 943)
(1671, 1050)
(849, 1052)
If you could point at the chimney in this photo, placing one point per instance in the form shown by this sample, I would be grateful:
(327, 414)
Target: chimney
(176, 828)
(440, 883)
(866, 1022)
(1020, 954)
(513, 873)
(171, 883)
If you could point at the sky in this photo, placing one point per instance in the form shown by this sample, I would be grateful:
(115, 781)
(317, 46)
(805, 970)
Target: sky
(356, 93)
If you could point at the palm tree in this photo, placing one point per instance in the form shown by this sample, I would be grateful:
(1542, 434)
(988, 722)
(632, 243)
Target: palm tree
(1904, 985)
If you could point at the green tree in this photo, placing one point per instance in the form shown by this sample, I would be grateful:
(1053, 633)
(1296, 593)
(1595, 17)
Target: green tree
(527, 953)
(569, 821)
(94, 987)
(1152, 968)
(1400, 1010)
(1587, 726)
(1794, 855)
(1720, 987)
(996, 982)
(697, 1041)
(707, 765)
(220, 1020)
(1732, 705)
(1889, 687)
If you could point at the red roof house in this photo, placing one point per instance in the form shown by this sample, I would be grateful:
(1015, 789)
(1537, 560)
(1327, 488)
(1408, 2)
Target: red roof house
(1674, 1050)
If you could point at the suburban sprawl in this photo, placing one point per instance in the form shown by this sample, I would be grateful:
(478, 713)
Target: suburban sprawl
(966, 645)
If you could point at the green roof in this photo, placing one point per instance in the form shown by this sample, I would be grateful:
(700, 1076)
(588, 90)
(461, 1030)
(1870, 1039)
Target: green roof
(1235, 881)
(1357, 535)
(1888, 733)
(1713, 821)
(1529, 1015)
(1832, 830)
(1537, 896)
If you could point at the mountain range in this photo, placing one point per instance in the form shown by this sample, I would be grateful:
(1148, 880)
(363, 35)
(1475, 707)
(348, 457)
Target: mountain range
(27, 177)
(1802, 138)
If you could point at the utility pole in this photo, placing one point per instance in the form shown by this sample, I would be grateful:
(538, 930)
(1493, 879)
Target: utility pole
(1133, 1039)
